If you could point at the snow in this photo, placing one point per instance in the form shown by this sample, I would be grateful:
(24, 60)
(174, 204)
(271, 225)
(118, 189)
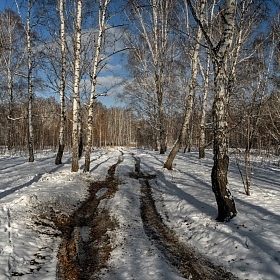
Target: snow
(248, 245)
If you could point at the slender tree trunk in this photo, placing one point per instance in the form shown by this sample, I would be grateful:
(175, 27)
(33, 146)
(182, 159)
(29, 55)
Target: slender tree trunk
(160, 109)
(81, 142)
(160, 39)
(247, 172)
(225, 201)
(11, 106)
(182, 137)
(30, 127)
(162, 132)
(153, 26)
(30, 87)
(202, 145)
(76, 93)
(249, 139)
(102, 14)
(201, 148)
(189, 104)
(190, 132)
(155, 140)
(100, 136)
(62, 85)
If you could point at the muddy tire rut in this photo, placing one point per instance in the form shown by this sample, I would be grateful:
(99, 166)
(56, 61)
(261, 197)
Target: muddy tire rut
(185, 259)
(85, 246)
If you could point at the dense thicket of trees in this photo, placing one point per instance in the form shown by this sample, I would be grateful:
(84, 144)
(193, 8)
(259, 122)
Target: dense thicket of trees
(194, 73)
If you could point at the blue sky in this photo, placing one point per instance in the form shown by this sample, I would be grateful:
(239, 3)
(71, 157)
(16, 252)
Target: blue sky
(6, 3)
(109, 100)
(115, 60)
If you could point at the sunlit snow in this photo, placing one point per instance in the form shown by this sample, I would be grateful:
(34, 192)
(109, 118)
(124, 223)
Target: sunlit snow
(248, 245)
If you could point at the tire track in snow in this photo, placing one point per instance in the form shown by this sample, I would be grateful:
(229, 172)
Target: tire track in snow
(185, 259)
(85, 246)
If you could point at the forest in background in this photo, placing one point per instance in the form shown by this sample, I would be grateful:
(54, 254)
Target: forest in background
(191, 74)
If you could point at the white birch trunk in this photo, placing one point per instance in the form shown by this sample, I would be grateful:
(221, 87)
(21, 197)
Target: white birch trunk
(76, 93)
(219, 56)
(189, 103)
(225, 201)
(11, 105)
(12, 59)
(156, 35)
(29, 79)
(201, 148)
(30, 86)
(62, 84)
(102, 15)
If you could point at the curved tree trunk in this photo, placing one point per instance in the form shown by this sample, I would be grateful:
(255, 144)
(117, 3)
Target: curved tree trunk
(189, 104)
(182, 136)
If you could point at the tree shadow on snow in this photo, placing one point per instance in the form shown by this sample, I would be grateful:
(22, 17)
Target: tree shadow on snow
(35, 179)
(172, 189)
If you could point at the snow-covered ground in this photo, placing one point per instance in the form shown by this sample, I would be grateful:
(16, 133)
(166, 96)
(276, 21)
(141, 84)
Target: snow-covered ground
(248, 246)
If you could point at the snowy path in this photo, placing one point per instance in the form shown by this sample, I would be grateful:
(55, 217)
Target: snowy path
(32, 190)
(134, 256)
(248, 246)
(145, 248)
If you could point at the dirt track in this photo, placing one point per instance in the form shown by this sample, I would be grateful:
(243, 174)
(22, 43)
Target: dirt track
(190, 264)
(85, 247)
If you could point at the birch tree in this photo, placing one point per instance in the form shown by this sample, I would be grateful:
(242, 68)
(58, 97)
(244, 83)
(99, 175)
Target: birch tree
(151, 23)
(225, 201)
(62, 83)
(272, 106)
(205, 73)
(30, 66)
(219, 56)
(254, 97)
(253, 87)
(30, 84)
(76, 84)
(190, 99)
(205, 76)
(103, 5)
(13, 46)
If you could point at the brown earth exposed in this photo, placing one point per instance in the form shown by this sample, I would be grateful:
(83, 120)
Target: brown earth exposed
(85, 247)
